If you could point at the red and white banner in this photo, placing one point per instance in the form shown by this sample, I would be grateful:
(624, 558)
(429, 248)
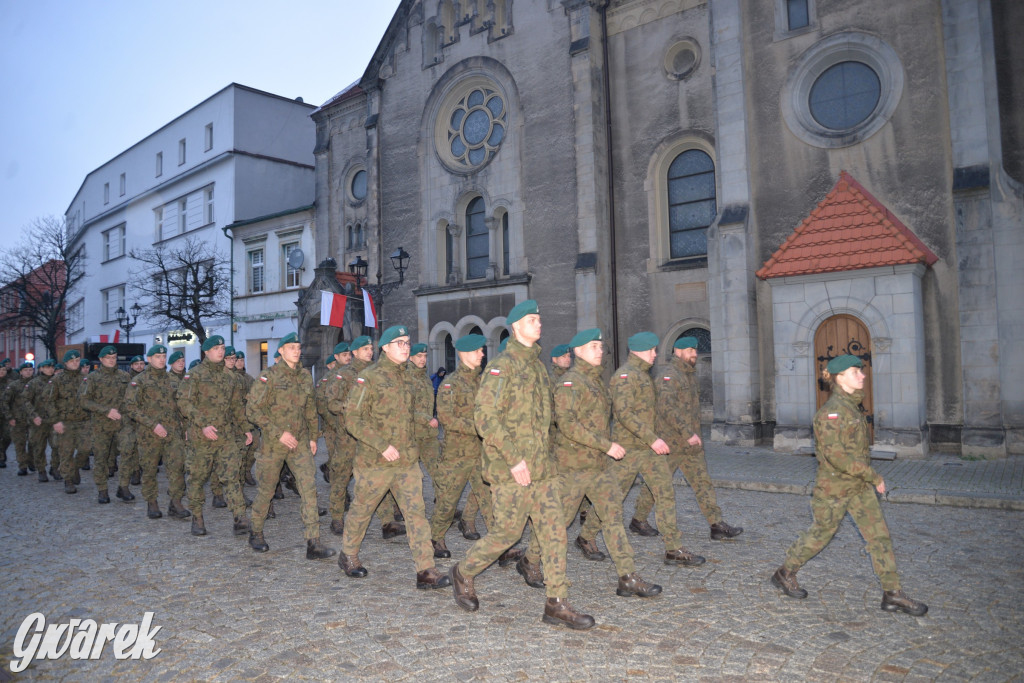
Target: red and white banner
(369, 310)
(332, 309)
(106, 338)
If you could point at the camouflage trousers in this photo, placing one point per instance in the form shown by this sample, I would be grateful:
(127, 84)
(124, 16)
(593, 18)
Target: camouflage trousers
(272, 457)
(689, 459)
(430, 456)
(451, 480)
(828, 512)
(128, 444)
(73, 447)
(341, 450)
(19, 436)
(5, 439)
(512, 505)
(38, 438)
(104, 449)
(152, 449)
(657, 476)
(249, 456)
(214, 461)
(406, 483)
(599, 486)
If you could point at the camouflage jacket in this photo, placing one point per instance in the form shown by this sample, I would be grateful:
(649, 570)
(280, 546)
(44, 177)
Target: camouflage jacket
(35, 398)
(456, 401)
(556, 372)
(102, 390)
(513, 414)
(678, 404)
(380, 414)
(283, 400)
(841, 444)
(65, 398)
(149, 400)
(338, 389)
(583, 412)
(321, 398)
(247, 381)
(422, 401)
(210, 395)
(632, 393)
(12, 399)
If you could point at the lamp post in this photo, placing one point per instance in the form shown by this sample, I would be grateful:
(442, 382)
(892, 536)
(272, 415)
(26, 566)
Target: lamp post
(126, 322)
(359, 267)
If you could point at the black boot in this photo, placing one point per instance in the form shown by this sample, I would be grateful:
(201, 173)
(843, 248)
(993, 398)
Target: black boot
(22, 471)
(278, 493)
(42, 476)
(153, 510)
(124, 494)
(897, 600)
(257, 542)
(55, 475)
(219, 502)
(315, 550)
(241, 526)
(104, 497)
(69, 486)
(136, 477)
(198, 527)
(176, 510)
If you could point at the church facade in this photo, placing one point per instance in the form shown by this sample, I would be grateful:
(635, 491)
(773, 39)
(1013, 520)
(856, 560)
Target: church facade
(787, 180)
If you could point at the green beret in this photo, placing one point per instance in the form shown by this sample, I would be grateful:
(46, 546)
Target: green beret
(359, 342)
(290, 338)
(503, 344)
(155, 349)
(559, 350)
(471, 342)
(521, 310)
(215, 340)
(277, 354)
(341, 347)
(229, 351)
(106, 351)
(393, 333)
(329, 360)
(240, 355)
(5, 362)
(24, 365)
(48, 363)
(583, 337)
(686, 343)
(137, 359)
(840, 363)
(60, 366)
(175, 357)
(193, 364)
(71, 354)
(418, 349)
(642, 341)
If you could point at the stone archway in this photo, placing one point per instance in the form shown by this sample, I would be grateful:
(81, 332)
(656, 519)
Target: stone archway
(837, 336)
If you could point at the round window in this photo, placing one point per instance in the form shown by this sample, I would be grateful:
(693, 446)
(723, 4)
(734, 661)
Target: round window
(682, 59)
(845, 95)
(471, 125)
(358, 187)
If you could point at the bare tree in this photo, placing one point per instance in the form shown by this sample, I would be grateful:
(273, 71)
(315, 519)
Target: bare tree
(39, 273)
(185, 287)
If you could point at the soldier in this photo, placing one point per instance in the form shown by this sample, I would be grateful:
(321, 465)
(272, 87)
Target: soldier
(634, 423)
(131, 470)
(70, 420)
(103, 397)
(17, 421)
(176, 365)
(211, 403)
(846, 482)
(423, 407)
(239, 431)
(338, 468)
(150, 402)
(5, 433)
(283, 405)
(561, 359)
(678, 422)
(513, 415)
(461, 461)
(326, 424)
(380, 415)
(249, 452)
(34, 398)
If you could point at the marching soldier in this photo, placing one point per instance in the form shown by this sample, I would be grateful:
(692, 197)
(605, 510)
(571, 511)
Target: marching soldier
(423, 402)
(103, 397)
(249, 452)
(70, 421)
(380, 415)
(17, 421)
(35, 406)
(678, 421)
(130, 470)
(338, 468)
(5, 432)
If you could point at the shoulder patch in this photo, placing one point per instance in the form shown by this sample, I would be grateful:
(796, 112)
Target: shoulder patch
(134, 384)
(495, 371)
(360, 380)
(833, 416)
(262, 378)
(667, 378)
(624, 375)
(447, 386)
(566, 384)
(337, 377)
(186, 376)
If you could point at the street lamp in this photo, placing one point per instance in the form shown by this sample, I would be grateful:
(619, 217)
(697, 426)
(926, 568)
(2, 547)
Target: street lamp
(128, 323)
(400, 262)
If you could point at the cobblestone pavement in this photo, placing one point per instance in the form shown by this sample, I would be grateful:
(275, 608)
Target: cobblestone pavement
(227, 613)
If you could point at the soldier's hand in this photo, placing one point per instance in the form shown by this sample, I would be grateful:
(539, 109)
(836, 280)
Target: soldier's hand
(58, 427)
(114, 414)
(248, 438)
(433, 422)
(289, 441)
(312, 447)
(37, 421)
(881, 487)
(210, 432)
(390, 453)
(694, 440)
(616, 451)
(660, 447)
(521, 473)
(11, 421)
(160, 431)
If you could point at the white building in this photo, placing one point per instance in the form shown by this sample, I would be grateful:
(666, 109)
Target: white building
(238, 155)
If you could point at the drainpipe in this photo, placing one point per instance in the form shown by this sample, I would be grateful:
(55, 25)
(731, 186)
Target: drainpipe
(610, 161)
(231, 293)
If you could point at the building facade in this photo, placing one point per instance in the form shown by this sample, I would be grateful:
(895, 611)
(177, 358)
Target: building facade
(650, 165)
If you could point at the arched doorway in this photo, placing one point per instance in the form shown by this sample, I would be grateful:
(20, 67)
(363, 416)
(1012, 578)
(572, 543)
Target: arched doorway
(837, 336)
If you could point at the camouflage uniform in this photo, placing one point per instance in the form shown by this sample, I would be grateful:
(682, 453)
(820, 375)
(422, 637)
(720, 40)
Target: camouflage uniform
(845, 483)
(5, 428)
(379, 411)
(66, 407)
(103, 390)
(283, 400)
(150, 401)
(513, 415)
(678, 418)
(128, 444)
(208, 395)
(34, 400)
(248, 455)
(633, 402)
(13, 410)
(423, 409)
(461, 461)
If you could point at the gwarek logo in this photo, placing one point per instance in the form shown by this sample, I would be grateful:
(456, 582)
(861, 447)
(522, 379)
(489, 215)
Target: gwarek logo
(82, 639)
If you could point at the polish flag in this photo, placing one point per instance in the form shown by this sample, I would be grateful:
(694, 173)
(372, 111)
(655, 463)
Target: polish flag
(332, 309)
(106, 338)
(369, 310)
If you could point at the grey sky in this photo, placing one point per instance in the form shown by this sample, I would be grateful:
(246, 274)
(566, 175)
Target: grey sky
(83, 80)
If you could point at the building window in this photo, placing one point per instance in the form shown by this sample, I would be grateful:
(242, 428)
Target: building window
(471, 125)
(844, 95)
(113, 299)
(158, 216)
(122, 185)
(209, 204)
(208, 137)
(256, 271)
(703, 338)
(477, 240)
(449, 254)
(159, 164)
(181, 151)
(113, 243)
(76, 316)
(291, 275)
(449, 354)
(797, 14)
(358, 186)
(182, 215)
(504, 244)
(691, 203)
(106, 193)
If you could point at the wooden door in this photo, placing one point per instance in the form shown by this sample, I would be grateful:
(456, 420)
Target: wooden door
(837, 336)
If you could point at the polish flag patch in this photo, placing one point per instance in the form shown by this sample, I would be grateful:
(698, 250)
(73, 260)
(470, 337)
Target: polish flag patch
(187, 376)
(833, 416)
(360, 380)
(566, 384)
(134, 384)
(337, 377)
(447, 386)
(623, 376)
(495, 371)
(262, 378)
(667, 379)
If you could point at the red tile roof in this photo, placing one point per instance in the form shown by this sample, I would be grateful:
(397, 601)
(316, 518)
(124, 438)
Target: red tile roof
(848, 230)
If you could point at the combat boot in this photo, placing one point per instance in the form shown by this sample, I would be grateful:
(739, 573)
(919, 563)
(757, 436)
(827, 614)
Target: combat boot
(77, 478)
(153, 510)
(88, 465)
(249, 480)
(337, 527)
(589, 549)
(399, 517)
(289, 483)
(530, 572)
(431, 578)
(558, 611)
(271, 513)
(198, 527)
(785, 580)
(632, 584)
(136, 478)
(104, 497)
(22, 471)
(462, 589)
(351, 566)
(247, 500)
(278, 492)
(124, 494)
(325, 472)
(42, 476)
(241, 527)
(257, 542)
(681, 556)
(440, 549)
(55, 475)
(510, 556)
(176, 510)
(721, 531)
(315, 550)
(897, 600)
(392, 529)
(468, 530)
(69, 486)
(219, 502)
(642, 528)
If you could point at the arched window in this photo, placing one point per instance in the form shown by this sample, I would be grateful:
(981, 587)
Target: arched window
(691, 203)
(504, 244)
(703, 338)
(476, 240)
(349, 242)
(360, 239)
(449, 354)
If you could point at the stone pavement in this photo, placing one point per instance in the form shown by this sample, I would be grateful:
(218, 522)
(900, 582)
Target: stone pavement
(227, 613)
